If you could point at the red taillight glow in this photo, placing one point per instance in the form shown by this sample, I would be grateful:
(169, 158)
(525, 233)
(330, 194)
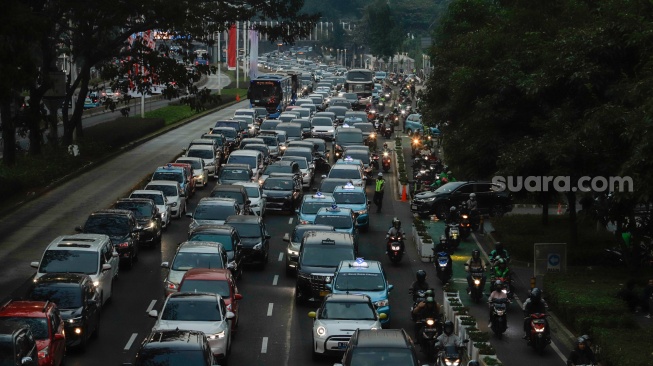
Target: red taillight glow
(123, 245)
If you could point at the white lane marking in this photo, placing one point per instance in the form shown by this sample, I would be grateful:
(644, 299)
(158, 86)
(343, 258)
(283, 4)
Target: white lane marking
(276, 280)
(280, 256)
(149, 308)
(130, 341)
(264, 346)
(290, 220)
(270, 306)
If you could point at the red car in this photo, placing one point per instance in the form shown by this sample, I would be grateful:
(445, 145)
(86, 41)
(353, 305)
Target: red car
(218, 281)
(188, 170)
(46, 325)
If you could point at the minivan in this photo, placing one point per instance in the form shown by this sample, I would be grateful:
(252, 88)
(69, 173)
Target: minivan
(293, 130)
(253, 158)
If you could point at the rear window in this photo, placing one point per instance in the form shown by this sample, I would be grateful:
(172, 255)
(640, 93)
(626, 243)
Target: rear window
(235, 174)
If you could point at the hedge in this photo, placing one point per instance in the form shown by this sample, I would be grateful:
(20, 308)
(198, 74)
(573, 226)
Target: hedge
(121, 131)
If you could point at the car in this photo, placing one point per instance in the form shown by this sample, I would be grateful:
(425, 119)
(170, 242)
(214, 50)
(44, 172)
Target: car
(319, 256)
(45, 323)
(254, 192)
(207, 141)
(174, 346)
(174, 194)
(248, 128)
(380, 347)
(369, 132)
(235, 191)
(353, 173)
(272, 142)
(269, 124)
(254, 238)
(78, 300)
(319, 147)
(224, 146)
(233, 173)
(306, 167)
(160, 200)
(359, 154)
(123, 229)
(190, 180)
(365, 277)
(91, 254)
(250, 140)
(322, 127)
(354, 198)
(200, 311)
(192, 254)
(213, 211)
(305, 122)
(200, 172)
(337, 319)
(380, 76)
(328, 185)
(148, 217)
(206, 153)
(215, 281)
(293, 130)
(173, 174)
(230, 134)
(346, 136)
(311, 204)
(286, 117)
(18, 345)
(252, 158)
(90, 103)
(230, 240)
(492, 200)
(280, 167)
(294, 241)
(413, 123)
(342, 219)
(262, 148)
(339, 112)
(282, 192)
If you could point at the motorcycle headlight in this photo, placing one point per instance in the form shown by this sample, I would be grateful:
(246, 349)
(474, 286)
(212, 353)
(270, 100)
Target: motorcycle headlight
(292, 252)
(385, 154)
(216, 336)
(477, 282)
(381, 303)
(321, 331)
(430, 322)
(464, 216)
(452, 362)
(415, 141)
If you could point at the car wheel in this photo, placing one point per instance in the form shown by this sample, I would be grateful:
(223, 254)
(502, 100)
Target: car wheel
(409, 132)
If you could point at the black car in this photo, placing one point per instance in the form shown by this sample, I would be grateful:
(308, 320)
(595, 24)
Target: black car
(148, 216)
(123, 229)
(231, 134)
(490, 200)
(17, 345)
(380, 347)
(254, 238)
(174, 347)
(236, 192)
(346, 137)
(222, 142)
(294, 241)
(283, 192)
(230, 240)
(78, 301)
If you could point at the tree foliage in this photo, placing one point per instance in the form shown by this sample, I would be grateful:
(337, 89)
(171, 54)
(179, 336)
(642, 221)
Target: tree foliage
(383, 35)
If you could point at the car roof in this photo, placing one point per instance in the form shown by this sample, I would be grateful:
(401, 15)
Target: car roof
(199, 246)
(211, 228)
(319, 237)
(28, 309)
(341, 211)
(370, 266)
(214, 274)
(246, 153)
(136, 200)
(348, 298)
(350, 188)
(162, 183)
(89, 242)
(312, 198)
(247, 219)
(346, 166)
(381, 338)
(148, 191)
(228, 188)
(177, 339)
(235, 166)
(217, 201)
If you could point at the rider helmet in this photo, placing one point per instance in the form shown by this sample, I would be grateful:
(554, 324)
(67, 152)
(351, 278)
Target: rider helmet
(443, 239)
(420, 276)
(396, 223)
(581, 342)
(452, 209)
(499, 285)
(536, 295)
(476, 254)
(472, 196)
(380, 175)
(473, 363)
(448, 327)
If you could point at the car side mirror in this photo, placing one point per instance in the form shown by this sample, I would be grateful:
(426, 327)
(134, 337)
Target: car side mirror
(165, 265)
(79, 229)
(238, 297)
(59, 337)
(324, 176)
(189, 214)
(390, 287)
(34, 264)
(153, 314)
(312, 315)
(286, 238)
(230, 315)
(328, 286)
(106, 267)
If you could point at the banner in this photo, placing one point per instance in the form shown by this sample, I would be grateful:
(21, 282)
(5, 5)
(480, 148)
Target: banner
(232, 48)
(253, 54)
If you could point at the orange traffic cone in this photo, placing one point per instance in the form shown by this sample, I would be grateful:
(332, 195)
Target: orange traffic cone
(404, 195)
(559, 208)
(237, 98)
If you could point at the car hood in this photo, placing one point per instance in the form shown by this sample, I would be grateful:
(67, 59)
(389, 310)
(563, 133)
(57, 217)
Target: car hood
(206, 327)
(197, 172)
(271, 193)
(319, 270)
(347, 326)
(70, 313)
(250, 242)
(427, 195)
(374, 295)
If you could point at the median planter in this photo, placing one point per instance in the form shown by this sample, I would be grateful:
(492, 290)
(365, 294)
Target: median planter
(489, 360)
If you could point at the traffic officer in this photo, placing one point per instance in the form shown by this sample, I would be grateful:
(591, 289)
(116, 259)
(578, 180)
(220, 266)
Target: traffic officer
(378, 191)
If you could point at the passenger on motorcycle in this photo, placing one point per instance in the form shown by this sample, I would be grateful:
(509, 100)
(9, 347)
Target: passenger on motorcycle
(581, 354)
(498, 252)
(395, 230)
(447, 338)
(472, 204)
(498, 293)
(420, 284)
(533, 305)
(475, 264)
(423, 310)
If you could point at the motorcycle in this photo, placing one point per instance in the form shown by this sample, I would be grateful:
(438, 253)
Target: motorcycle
(394, 248)
(387, 131)
(321, 163)
(429, 333)
(476, 291)
(498, 318)
(451, 355)
(465, 226)
(374, 160)
(385, 162)
(443, 266)
(509, 290)
(454, 235)
(539, 336)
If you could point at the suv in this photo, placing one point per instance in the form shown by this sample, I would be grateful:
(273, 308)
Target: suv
(491, 200)
(174, 194)
(213, 211)
(168, 347)
(235, 191)
(160, 200)
(283, 167)
(78, 300)
(254, 238)
(47, 327)
(342, 219)
(228, 237)
(319, 256)
(200, 172)
(148, 217)
(192, 254)
(18, 345)
(123, 229)
(174, 174)
(233, 173)
(283, 192)
(91, 254)
(381, 347)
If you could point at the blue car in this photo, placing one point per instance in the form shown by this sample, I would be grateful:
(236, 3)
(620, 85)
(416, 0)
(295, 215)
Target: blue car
(90, 103)
(311, 205)
(342, 219)
(366, 278)
(354, 197)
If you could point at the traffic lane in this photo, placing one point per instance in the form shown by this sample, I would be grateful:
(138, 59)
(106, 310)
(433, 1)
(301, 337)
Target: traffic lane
(30, 228)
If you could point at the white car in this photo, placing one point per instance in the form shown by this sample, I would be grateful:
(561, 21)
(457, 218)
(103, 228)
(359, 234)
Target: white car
(255, 196)
(160, 200)
(347, 171)
(192, 254)
(253, 158)
(200, 173)
(322, 127)
(338, 318)
(174, 194)
(206, 153)
(201, 311)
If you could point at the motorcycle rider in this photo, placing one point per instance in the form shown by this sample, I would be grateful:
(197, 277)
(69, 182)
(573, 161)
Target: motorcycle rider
(533, 305)
(395, 230)
(588, 344)
(442, 246)
(447, 338)
(423, 310)
(472, 204)
(419, 284)
(475, 264)
(581, 354)
(453, 218)
(501, 270)
(498, 293)
(498, 252)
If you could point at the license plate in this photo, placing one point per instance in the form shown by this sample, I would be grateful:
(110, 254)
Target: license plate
(342, 345)
(323, 293)
(413, 207)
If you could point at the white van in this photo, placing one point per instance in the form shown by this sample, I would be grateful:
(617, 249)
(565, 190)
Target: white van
(206, 153)
(91, 254)
(253, 158)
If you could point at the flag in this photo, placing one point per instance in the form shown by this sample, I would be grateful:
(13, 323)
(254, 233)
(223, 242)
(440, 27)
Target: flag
(253, 54)
(232, 49)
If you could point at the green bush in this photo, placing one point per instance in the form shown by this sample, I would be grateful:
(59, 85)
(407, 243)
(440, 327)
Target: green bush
(491, 361)
(486, 349)
(624, 346)
(479, 336)
(122, 131)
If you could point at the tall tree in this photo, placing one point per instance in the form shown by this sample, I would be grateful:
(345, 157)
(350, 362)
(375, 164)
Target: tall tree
(383, 35)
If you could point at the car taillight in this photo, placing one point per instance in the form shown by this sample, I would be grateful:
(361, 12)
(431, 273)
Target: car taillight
(44, 352)
(123, 245)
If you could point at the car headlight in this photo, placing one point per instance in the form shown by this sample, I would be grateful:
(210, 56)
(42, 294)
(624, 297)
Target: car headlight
(321, 331)
(216, 336)
(74, 320)
(292, 252)
(258, 246)
(173, 204)
(283, 147)
(361, 212)
(381, 303)
(430, 199)
(330, 131)
(149, 225)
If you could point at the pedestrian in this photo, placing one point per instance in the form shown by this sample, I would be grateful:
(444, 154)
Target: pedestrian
(378, 191)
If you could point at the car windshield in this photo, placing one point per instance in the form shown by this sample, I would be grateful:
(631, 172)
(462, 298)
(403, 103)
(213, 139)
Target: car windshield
(112, 225)
(253, 192)
(350, 198)
(365, 127)
(216, 287)
(228, 132)
(359, 281)
(200, 153)
(195, 164)
(270, 140)
(360, 155)
(66, 296)
(169, 191)
(235, 174)
(164, 175)
(276, 184)
(449, 187)
(298, 234)
(311, 208)
(170, 356)
(157, 198)
(239, 159)
(345, 173)
(238, 196)
(224, 239)
(72, 261)
(213, 212)
(301, 161)
(188, 260)
(348, 311)
(184, 309)
(247, 230)
(38, 326)
(349, 137)
(140, 210)
(325, 255)
(338, 222)
(382, 356)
